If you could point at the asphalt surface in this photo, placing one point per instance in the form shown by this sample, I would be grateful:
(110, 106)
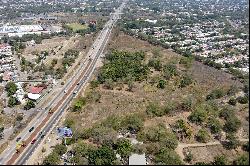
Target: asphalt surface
(44, 122)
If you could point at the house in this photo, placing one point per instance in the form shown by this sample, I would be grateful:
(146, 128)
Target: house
(137, 159)
(35, 90)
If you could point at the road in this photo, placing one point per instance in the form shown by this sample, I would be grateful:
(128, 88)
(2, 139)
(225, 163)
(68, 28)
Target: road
(44, 121)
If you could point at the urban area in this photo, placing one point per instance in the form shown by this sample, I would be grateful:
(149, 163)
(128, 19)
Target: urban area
(124, 82)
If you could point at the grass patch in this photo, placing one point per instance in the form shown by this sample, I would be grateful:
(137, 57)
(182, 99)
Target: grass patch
(76, 26)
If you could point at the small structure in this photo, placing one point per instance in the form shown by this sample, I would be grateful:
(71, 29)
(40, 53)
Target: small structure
(137, 159)
(64, 132)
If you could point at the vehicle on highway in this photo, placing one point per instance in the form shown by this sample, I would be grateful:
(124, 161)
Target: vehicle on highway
(32, 128)
(33, 141)
(65, 91)
(40, 133)
(75, 92)
(18, 139)
(42, 136)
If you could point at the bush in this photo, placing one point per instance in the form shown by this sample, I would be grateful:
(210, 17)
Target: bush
(124, 147)
(161, 84)
(13, 101)
(102, 156)
(232, 143)
(202, 136)
(242, 160)
(232, 101)
(185, 81)
(198, 116)
(220, 160)
(167, 157)
(153, 109)
(232, 124)
(52, 159)
(242, 100)
(155, 63)
(214, 125)
(215, 94)
(11, 88)
(133, 123)
(159, 134)
(78, 104)
(30, 104)
(60, 149)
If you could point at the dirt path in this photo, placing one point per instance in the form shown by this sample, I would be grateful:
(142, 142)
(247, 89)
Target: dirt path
(181, 146)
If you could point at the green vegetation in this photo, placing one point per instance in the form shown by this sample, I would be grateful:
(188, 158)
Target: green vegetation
(185, 81)
(155, 63)
(30, 104)
(216, 94)
(169, 70)
(167, 157)
(11, 88)
(220, 160)
(232, 143)
(182, 129)
(124, 66)
(124, 147)
(102, 156)
(203, 136)
(242, 160)
(52, 159)
(160, 135)
(242, 99)
(161, 84)
(214, 125)
(79, 104)
(13, 101)
(76, 27)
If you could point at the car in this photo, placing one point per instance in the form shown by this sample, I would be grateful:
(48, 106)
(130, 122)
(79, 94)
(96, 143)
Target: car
(33, 141)
(18, 139)
(65, 91)
(75, 92)
(32, 128)
(40, 133)
(42, 136)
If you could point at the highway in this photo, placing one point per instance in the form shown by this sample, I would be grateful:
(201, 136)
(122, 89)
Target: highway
(44, 120)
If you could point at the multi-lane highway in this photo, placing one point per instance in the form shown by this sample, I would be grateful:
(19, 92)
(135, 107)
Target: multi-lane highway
(44, 121)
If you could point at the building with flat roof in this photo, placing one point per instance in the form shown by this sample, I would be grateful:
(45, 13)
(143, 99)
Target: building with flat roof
(137, 159)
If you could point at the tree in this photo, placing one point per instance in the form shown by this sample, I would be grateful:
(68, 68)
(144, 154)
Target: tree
(214, 125)
(52, 159)
(220, 160)
(124, 147)
(30, 104)
(242, 160)
(232, 143)
(198, 116)
(202, 136)
(232, 124)
(133, 123)
(161, 84)
(11, 88)
(60, 149)
(102, 156)
(159, 134)
(167, 157)
(12, 101)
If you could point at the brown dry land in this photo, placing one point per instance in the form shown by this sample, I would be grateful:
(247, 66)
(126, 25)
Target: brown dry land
(122, 102)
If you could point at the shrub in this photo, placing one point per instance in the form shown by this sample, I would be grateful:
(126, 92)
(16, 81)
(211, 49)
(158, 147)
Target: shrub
(232, 124)
(153, 109)
(202, 136)
(242, 160)
(232, 143)
(242, 100)
(220, 160)
(167, 157)
(215, 94)
(185, 81)
(198, 116)
(214, 125)
(161, 84)
(232, 101)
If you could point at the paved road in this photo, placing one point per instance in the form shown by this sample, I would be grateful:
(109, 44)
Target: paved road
(45, 121)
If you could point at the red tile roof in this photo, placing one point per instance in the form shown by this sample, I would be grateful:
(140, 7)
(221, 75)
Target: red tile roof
(36, 90)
